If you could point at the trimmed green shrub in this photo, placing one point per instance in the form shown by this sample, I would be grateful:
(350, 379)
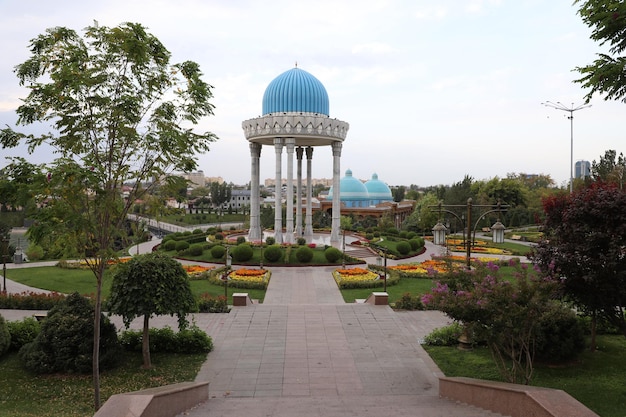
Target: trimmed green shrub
(403, 234)
(34, 252)
(270, 240)
(301, 241)
(196, 249)
(332, 254)
(5, 336)
(304, 254)
(444, 336)
(369, 236)
(23, 332)
(411, 235)
(169, 245)
(219, 236)
(273, 253)
(65, 342)
(409, 302)
(560, 337)
(181, 245)
(414, 243)
(165, 340)
(403, 248)
(240, 240)
(218, 251)
(198, 232)
(242, 253)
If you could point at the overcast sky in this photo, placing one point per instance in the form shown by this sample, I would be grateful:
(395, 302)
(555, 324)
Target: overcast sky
(432, 90)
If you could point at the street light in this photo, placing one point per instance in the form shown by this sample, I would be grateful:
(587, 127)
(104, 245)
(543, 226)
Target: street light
(225, 276)
(560, 106)
(5, 254)
(497, 228)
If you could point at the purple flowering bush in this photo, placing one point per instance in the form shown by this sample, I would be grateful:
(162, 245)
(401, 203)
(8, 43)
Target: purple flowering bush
(502, 312)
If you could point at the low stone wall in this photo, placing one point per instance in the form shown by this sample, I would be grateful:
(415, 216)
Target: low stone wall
(166, 401)
(512, 399)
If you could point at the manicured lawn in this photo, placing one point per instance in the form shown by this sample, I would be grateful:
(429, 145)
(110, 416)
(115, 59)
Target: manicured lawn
(414, 286)
(596, 379)
(28, 395)
(67, 281)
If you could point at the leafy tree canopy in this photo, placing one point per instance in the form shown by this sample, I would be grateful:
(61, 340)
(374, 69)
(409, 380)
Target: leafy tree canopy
(119, 113)
(585, 237)
(607, 74)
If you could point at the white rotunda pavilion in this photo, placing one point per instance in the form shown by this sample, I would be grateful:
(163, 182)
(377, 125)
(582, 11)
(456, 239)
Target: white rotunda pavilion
(295, 117)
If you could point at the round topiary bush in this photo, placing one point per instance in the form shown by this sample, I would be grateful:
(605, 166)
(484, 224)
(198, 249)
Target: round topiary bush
(304, 254)
(181, 245)
(415, 244)
(169, 245)
(219, 236)
(411, 235)
(242, 253)
(196, 249)
(273, 253)
(332, 254)
(560, 337)
(65, 342)
(241, 239)
(23, 332)
(369, 236)
(301, 241)
(403, 248)
(218, 251)
(270, 240)
(5, 336)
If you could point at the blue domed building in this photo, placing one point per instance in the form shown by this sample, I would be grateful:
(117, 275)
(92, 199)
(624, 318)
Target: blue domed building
(354, 193)
(296, 117)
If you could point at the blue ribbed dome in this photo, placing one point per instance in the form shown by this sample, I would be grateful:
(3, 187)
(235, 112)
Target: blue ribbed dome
(352, 192)
(295, 90)
(378, 190)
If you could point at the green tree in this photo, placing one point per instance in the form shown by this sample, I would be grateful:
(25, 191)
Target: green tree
(220, 194)
(424, 217)
(147, 285)
(120, 113)
(398, 193)
(607, 74)
(610, 168)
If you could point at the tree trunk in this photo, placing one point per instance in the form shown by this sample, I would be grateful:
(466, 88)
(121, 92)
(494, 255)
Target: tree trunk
(145, 345)
(95, 360)
(594, 324)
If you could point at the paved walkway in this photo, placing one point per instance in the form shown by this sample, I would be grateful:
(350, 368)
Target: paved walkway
(306, 353)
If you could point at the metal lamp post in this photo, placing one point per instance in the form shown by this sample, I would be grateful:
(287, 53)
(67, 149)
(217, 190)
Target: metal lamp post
(560, 106)
(228, 264)
(5, 250)
(466, 221)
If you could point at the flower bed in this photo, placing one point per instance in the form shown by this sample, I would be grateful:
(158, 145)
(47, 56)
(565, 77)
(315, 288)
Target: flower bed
(194, 271)
(360, 278)
(248, 278)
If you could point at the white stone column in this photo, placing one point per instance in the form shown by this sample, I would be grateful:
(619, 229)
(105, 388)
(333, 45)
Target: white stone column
(336, 219)
(299, 153)
(278, 205)
(254, 233)
(290, 144)
(308, 221)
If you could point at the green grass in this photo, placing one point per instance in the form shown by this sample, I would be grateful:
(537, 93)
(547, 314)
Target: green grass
(67, 281)
(596, 379)
(414, 286)
(27, 395)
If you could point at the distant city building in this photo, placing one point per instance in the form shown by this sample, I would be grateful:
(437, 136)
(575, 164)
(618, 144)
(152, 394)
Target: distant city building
(196, 179)
(239, 199)
(582, 169)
